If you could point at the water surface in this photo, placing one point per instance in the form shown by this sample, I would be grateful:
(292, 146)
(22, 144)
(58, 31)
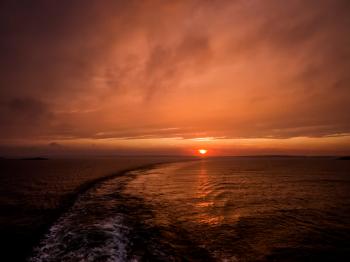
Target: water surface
(229, 209)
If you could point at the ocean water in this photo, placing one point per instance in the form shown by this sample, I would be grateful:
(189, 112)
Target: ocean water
(224, 209)
(35, 193)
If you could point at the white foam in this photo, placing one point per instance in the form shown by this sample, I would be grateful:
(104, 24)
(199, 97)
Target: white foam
(67, 241)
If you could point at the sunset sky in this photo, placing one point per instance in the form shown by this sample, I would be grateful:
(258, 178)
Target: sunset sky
(168, 77)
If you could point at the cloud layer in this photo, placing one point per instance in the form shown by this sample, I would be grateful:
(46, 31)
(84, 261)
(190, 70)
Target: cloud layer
(156, 69)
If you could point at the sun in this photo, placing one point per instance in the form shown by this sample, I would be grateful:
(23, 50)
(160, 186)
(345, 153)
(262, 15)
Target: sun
(202, 151)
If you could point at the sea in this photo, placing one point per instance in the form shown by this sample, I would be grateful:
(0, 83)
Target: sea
(211, 209)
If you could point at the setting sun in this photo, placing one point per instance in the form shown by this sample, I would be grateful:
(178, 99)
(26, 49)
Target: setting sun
(202, 151)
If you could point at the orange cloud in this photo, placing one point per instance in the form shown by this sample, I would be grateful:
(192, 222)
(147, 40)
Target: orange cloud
(156, 71)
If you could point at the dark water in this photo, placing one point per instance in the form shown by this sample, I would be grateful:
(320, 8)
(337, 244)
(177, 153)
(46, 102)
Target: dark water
(34, 194)
(232, 209)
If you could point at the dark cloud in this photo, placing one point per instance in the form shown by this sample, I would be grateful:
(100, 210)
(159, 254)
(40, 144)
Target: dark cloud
(54, 144)
(23, 117)
(29, 107)
(24, 109)
(166, 65)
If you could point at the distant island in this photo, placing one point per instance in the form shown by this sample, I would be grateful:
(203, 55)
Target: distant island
(34, 158)
(344, 158)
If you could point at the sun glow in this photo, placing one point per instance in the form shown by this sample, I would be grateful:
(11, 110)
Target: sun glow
(202, 151)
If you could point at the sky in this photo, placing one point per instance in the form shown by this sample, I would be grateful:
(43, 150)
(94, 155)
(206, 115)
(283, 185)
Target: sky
(237, 77)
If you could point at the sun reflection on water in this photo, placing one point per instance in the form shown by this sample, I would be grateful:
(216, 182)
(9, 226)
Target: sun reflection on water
(205, 202)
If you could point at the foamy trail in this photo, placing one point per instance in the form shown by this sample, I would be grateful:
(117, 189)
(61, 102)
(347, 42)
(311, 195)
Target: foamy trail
(92, 230)
(100, 226)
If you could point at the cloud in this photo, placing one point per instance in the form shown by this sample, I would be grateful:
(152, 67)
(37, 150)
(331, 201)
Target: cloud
(30, 107)
(128, 69)
(55, 145)
(24, 116)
